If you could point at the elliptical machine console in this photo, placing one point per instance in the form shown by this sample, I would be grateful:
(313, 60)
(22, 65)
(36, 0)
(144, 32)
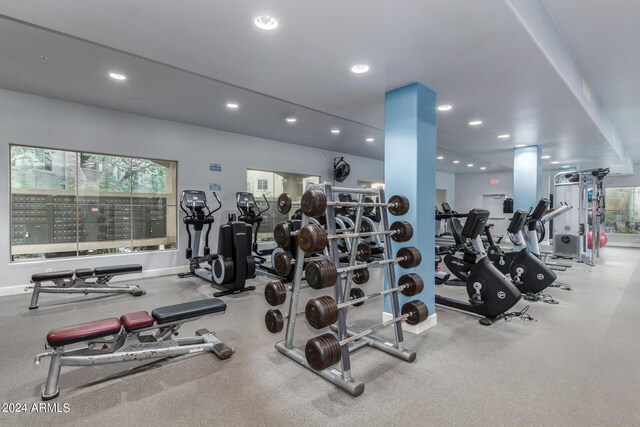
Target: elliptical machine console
(233, 264)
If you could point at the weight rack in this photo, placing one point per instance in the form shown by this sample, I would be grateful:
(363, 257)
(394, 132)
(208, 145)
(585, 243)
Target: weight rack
(342, 376)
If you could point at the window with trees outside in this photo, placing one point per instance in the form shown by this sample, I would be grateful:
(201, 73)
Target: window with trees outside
(270, 185)
(67, 204)
(622, 214)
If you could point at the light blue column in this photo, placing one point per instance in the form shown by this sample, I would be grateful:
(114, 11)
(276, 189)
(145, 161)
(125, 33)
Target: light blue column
(410, 170)
(527, 177)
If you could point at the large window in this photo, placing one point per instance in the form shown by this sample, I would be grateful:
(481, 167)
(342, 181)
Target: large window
(271, 185)
(66, 203)
(622, 210)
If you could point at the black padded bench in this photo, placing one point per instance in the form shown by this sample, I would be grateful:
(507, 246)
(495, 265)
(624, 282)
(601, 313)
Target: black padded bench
(133, 336)
(85, 281)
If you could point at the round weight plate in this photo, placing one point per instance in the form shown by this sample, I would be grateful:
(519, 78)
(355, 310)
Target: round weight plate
(399, 205)
(313, 202)
(275, 293)
(283, 263)
(365, 226)
(274, 321)
(322, 351)
(320, 274)
(356, 293)
(417, 310)
(321, 312)
(284, 203)
(282, 234)
(312, 238)
(363, 252)
(403, 229)
(412, 257)
(414, 283)
(360, 277)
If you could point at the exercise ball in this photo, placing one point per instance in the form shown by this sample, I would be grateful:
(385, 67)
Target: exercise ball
(603, 239)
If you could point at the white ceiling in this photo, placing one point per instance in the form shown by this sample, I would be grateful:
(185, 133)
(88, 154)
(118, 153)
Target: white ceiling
(476, 55)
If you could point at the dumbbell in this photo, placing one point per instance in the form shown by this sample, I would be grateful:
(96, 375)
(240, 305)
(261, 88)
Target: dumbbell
(325, 350)
(314, 203)
(322, 274)
(314, 238)
(283, 261)
(323, 311)
(274, 319)
(283, 232)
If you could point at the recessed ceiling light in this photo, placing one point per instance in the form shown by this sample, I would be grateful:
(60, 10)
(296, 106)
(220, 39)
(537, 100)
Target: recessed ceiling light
(444, 107)
(232, 105)
(335, 131)
(521, 145)
(475, 122)
(555, 162)
(483, 168)
(455, 162)
(117, 76)
(469, 165)
(291, 119)
(360, 68)
(504, 136)
(369, 139)
(565, 166)
(440, 157)
(266, 22)
(545, 157)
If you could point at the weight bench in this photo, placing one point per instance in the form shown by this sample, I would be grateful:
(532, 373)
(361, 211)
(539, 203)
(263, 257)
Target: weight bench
(83, 281)
(121, 339)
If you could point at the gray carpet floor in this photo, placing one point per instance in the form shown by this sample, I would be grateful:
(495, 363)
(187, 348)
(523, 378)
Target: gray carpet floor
(577, 364)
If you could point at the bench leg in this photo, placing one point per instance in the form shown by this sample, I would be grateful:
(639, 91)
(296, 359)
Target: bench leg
(34, 296)
(51, 390)
(220, 349)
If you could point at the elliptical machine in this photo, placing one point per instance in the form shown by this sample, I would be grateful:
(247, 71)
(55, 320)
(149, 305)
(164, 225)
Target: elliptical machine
(251, 214)
(490, 293)
(233, 264)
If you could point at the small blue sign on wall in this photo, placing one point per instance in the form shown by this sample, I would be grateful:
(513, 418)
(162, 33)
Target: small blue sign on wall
(215, 167)
(215, 187)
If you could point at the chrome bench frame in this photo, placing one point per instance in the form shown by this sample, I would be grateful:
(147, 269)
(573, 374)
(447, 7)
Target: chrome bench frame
(127, 346)
(93, 284)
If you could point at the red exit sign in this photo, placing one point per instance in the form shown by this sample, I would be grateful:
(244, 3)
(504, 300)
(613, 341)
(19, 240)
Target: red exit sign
(494, 181)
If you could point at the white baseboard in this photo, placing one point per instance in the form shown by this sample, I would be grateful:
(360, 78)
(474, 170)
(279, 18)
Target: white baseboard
(158, 272)
(421, 327)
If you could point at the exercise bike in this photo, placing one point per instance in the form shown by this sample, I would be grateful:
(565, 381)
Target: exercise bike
(233, 264)
(490, 293)
(527, 271)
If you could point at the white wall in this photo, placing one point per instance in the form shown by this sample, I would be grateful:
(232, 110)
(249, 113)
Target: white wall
(33, 120)
(447, 181)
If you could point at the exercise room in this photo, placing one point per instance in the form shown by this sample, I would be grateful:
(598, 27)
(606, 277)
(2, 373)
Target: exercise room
(290, 213)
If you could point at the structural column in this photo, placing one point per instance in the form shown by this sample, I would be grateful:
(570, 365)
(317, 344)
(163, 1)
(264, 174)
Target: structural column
(410, 170)
(527, 177)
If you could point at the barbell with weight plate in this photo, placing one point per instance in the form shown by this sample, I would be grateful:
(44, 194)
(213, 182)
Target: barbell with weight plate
(283, 232)
(283, 261)
(326, 350)
(314, 203)
(313, 238)
(323, 311)
(274, 319)
(323, 274)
